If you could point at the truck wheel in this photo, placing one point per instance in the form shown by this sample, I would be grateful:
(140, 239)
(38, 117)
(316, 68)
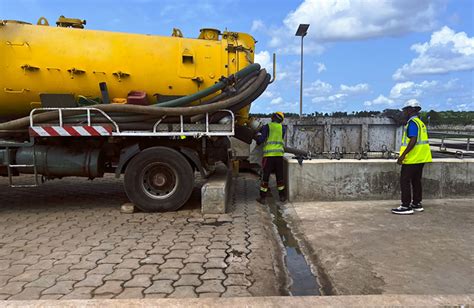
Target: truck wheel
(159, 179)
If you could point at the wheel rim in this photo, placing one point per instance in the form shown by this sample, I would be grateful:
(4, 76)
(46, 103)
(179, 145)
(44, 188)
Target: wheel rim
(159, 180)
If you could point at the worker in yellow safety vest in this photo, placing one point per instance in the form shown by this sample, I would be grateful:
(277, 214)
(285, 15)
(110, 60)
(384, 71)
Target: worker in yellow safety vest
(272, 136)
(414, 153)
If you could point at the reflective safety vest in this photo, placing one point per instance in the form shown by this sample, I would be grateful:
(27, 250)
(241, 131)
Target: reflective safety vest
(421, 152)
(274, 145)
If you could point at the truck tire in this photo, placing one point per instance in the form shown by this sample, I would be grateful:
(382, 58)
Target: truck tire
(159, 179)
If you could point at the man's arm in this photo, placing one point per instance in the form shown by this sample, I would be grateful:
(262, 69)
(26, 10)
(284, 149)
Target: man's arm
(410, 147)
(412, 134)
(262, 135)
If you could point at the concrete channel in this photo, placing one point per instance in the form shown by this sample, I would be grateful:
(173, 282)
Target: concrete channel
(302, 281)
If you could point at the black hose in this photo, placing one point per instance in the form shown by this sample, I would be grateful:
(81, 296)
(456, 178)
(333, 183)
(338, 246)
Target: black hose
(147, 110)
(219, 115)
(243, 87)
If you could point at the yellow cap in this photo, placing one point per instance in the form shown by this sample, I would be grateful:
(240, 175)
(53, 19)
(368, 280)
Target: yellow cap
(280, 115)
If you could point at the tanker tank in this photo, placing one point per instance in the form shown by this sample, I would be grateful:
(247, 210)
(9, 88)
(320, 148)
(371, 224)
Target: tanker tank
(67, 59)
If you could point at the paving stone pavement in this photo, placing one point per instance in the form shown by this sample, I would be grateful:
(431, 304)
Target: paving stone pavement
(68, 240)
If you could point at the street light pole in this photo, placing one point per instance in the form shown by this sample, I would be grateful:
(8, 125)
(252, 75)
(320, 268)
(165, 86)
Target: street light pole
(301, 79)
(302, 31)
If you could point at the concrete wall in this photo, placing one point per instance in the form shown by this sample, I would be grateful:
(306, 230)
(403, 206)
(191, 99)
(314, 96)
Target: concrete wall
(325, 134)
(376, 179)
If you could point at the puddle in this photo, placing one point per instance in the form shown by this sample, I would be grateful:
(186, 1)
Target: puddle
(304, 282)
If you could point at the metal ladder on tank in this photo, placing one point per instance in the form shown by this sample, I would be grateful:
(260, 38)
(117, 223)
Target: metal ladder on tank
(12, 167)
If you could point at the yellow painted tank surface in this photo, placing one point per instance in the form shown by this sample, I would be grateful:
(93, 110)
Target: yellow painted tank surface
(36, 59)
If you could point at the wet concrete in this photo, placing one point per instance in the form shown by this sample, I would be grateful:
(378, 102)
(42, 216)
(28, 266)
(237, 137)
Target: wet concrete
(362, 248)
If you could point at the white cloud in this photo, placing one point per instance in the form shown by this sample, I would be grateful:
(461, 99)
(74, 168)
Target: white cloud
(257, 25)
(317, 87)
(263, 58)
(331, 98)
(380, 101)
(356, 89)
(321, 67)
(268, 94)
(344, 20)
(446, 52)
(322, 92)
(410, 89)
(277, 101)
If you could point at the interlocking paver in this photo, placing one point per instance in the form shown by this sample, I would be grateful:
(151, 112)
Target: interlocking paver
(192, 268)
(12, 288)
(129, 263)
(121, 274)
(4, 280)
(86, 248)
(236, 291)
(183, 292)
(112, 259)
(110, 287)
(136, 254)
(91, 281)
(172, 263)
(61, 287)
(153, 259)
(59, 269)
(211, 286)
(209, 294)
(102, 269)
(213, 274)
(188, 280)
(73, 275)
(27, 275)
(28, 260)
(14, 270)
(94, 256)
(180, 246)
(131, 293)
(215, 263)
(28, 294)
(237, 280)
(160, 286)
(217, 253)
(84, 265)
(167, 274)
(44, 281)
(176, 254)
(149, 269)
(80, 293)
(218, 245)
(139, 281)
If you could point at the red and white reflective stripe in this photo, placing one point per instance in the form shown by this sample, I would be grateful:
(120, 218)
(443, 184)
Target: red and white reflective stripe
(70, 131)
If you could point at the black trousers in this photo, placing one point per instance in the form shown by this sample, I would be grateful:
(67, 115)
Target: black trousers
(410, 180)
(269, 165)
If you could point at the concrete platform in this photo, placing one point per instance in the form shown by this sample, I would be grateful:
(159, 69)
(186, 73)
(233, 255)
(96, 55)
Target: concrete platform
(215, 191)
(374, 179)
(359, 247)
(277, 301)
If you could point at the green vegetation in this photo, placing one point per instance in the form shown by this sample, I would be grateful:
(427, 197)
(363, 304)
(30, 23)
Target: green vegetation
(429, 117)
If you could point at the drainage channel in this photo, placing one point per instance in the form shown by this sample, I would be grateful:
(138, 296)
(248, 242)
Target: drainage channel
(303, 280)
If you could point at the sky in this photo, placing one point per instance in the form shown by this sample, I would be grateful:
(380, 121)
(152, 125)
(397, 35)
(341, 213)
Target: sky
(358, 54)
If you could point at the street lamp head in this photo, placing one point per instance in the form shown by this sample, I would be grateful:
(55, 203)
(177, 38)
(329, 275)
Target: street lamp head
(302, 30)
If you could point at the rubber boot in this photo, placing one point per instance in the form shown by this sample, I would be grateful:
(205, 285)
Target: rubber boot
(282, 195)
(262, 198)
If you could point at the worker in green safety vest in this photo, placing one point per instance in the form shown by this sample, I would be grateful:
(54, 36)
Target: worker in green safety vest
(272, 136)
(414, 153)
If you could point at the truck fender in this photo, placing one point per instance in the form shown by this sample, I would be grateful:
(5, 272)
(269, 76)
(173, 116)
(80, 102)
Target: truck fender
(125, 155)
(193, 156)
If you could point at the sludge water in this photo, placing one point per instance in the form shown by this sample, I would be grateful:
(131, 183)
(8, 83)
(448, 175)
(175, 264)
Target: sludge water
(303, 280)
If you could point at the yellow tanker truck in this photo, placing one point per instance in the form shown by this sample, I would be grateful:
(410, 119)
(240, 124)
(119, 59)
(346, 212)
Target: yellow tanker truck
(76, 102)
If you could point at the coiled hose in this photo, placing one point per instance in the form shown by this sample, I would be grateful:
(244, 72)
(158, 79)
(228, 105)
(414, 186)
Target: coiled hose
(152, 110)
